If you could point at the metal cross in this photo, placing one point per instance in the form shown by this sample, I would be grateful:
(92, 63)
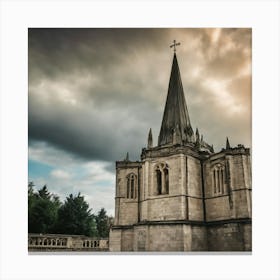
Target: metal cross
(174, 45)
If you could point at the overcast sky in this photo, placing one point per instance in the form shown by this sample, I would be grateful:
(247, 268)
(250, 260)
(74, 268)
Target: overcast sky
(95, 93)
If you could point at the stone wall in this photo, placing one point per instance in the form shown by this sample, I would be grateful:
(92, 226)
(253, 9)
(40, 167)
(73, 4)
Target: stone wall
(234, 201)
(217, 208)
(141, 238)
(127, 238)
(229, 237)
(194, 179)
(159, 237)
(128, 212)
(115, 240)
(199, 238)
(177, 182)
(165, 238)
(195, 209)
(164, 206)
(194, 189)
(247, 236)
(150, 238)
(203, 210)
(184, 200)
(126, 208)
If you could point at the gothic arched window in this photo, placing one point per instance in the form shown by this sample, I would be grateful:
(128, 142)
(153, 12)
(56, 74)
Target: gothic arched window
(218, 179)
(162, 178)
(159, 182)
(131, 183)
(166, 178)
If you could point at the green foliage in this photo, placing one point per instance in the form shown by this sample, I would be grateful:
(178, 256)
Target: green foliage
(102, 223)
(46, 214)
(31, 196)
(42, 210)
(44, 193)
(75, 217)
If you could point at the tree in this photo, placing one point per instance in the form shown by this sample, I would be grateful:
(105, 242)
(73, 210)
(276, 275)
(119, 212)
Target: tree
(46, 214)
(102, 223)
(44, 193)
(75, 217)
(42, 210)
(31, 196)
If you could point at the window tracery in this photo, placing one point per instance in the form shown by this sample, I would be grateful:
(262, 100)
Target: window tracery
(131, 186)
(162, 178)
(218, 179)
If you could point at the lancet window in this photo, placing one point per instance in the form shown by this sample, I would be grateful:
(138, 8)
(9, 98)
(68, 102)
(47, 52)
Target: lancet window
(218, 179)
(131, 186)
(162, 178)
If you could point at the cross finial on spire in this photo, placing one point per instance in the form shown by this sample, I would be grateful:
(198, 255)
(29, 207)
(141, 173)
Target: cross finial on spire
(174, 45)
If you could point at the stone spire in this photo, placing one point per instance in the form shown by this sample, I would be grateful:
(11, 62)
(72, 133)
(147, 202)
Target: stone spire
(150, 139)
(227, 144)
(197, 136)
(127, 157)
(175, 111)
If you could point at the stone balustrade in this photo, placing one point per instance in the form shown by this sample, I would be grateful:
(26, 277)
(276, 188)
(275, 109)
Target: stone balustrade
(62, 242)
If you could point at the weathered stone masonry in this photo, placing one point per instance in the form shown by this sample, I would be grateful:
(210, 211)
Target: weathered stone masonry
(64, 242)
(182, 196)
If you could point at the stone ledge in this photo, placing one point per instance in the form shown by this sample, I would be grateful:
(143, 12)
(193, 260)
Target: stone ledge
(185, 222)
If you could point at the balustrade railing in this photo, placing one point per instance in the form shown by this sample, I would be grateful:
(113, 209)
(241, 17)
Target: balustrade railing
(66, 242)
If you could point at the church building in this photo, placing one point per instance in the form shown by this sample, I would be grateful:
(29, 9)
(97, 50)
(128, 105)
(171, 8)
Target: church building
(182, 195)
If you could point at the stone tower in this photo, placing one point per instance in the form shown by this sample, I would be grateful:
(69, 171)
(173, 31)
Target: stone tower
(182, 196)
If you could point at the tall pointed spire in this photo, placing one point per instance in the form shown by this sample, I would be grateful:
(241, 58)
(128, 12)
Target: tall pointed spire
(150, 139)
(175, 112)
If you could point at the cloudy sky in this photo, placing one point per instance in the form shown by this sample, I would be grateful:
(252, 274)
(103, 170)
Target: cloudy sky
(95, 93)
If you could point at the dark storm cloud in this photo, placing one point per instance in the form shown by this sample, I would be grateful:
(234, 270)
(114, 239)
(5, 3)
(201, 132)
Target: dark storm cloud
(96, 92)
(96, 67)
(55, 52)
(89, 133)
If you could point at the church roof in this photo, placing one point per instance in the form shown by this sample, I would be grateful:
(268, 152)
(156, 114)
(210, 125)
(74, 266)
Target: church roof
(176, 117)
